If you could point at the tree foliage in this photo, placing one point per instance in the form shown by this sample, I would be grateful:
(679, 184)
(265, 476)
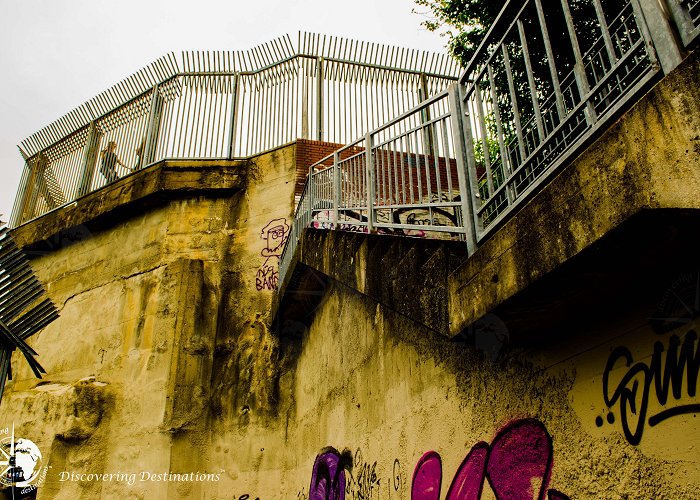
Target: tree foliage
(463, 22)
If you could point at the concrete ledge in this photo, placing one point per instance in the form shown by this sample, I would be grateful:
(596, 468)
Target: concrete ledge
(136, 192)
(649, 159)
(408, 275)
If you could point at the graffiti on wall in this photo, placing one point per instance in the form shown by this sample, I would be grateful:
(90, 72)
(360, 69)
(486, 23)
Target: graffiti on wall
(344, 476)
(667, 378)
(355, 228)
(328, 475)
(274, 234)
(516, 465)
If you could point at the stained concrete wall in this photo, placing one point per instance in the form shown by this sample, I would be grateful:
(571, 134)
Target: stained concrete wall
(166, 358)
(162, 281)
(386, 390)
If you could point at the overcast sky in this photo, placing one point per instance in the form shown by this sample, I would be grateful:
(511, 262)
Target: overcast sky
(56, 54)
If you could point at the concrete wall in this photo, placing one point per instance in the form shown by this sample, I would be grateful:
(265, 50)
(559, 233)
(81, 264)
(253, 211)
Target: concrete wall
(164, 360)
(383, 391)
(162, 281)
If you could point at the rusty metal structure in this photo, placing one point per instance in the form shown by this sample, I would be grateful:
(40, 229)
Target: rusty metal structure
(24, 307)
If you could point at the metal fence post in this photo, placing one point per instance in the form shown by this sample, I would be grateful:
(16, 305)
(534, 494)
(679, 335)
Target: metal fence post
(89, 160)
(233, 123)
(153, 129)
(319, 98)
(658, 33)
(369, 179)
(687, 27)
(28, 194)
(310, 185)
(336, 190)
(584, 87)
(464, 154)
(428, 138)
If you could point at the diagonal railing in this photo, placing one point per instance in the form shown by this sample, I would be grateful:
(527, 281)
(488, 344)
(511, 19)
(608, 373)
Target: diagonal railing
(538, 89)
(222, 105)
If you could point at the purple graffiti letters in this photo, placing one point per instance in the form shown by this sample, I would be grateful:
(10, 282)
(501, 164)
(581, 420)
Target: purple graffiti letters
(328, 475)
(518, 461)
(267, 276)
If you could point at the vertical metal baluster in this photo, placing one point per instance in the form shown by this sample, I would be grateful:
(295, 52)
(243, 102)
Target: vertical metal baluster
(248, 126)
(90, 157)
(336, 191)
(466, 169)
(609, 47)
(370, 182)
(210, 82)
(407, 156)
(193, 137)
(531, 81)
(484, 135)
(505, 160)
(153, 128)
(215, 114)
(436, 161)
(419, 173)
(310, 183)
(184, 117)
(584, 87)
(514, 106)
(218, 116)
(267, 113)
(447, 155)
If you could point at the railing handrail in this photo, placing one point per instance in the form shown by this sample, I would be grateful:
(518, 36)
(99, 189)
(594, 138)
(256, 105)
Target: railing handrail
(492, 33)
(423, 105)
(584, 96)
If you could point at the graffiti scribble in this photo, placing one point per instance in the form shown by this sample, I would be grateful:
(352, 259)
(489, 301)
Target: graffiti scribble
(275, 234)
(665, 377)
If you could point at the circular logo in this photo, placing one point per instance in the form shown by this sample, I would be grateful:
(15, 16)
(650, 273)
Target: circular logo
(20, 462)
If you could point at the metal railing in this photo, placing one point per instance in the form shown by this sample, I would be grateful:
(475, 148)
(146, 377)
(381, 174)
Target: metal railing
(538, 89)
(402, 178)
(529, 103)
(686, 15)
(220, 105)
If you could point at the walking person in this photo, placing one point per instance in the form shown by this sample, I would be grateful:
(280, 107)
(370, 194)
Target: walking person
(109, 162)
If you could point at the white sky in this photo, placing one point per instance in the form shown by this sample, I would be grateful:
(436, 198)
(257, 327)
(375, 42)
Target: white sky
(56, 54)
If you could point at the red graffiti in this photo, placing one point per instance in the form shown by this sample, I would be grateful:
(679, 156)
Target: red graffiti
(517, 466)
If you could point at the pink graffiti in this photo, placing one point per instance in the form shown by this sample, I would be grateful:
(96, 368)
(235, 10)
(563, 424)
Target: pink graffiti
(519, 459)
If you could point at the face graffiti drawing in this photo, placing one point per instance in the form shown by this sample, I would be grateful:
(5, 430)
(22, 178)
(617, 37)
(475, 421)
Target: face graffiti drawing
(274, 234)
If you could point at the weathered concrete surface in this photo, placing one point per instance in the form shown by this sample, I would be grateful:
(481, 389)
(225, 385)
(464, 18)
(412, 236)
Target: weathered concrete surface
(164, 361)
(387, 389)
(135, 193)
(649, 159)
(405, 274)
(161, 336)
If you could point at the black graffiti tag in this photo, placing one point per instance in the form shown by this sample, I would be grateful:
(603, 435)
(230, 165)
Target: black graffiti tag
(682, 362)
